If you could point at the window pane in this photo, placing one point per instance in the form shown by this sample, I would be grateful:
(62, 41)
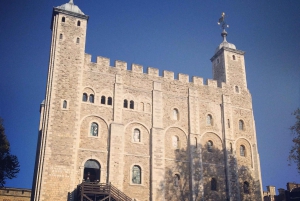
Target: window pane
(65, 104)
(91, 98)
(131, 104)
(94, 129)
(125, 103)
(109, 101)
(136, 175)
(136, 135)
(102, 99)
(84, 97)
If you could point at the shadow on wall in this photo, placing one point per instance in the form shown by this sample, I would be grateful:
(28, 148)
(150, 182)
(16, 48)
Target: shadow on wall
(206, 179)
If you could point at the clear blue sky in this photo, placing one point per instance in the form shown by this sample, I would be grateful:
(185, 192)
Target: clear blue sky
(179, 36)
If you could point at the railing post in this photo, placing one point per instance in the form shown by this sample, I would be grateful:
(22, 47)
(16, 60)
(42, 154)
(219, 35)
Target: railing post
(109, 198)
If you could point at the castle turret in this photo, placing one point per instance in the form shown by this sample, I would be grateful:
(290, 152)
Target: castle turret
(229, 65)
(58, 132)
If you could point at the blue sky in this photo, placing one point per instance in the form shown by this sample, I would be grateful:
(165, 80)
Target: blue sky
(179, 36)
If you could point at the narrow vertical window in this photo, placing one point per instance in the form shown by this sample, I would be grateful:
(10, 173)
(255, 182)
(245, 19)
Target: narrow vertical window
(109, 101)
(136, 174)
(103, 100)
(213, 184)
(131, 106)
(94, 129)
(233, 57)
(175, 114)
(196, 142)
(231, 150)
(78, 23)
(77, 40)
(228, 123)
(175, 142)
(210, 146)
(246, 187)
(125, 105)
(84, 97)
(148, 107)
(63, 19)
(242, 151)
(237, 90)
(176, 180)
(241, 125)
(65, 104)
(209, 120)
(60, 36)
(218, 60)
(91, 98)
(136, 135)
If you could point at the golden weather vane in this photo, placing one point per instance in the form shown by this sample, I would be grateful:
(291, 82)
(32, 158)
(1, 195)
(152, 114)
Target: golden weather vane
(222, 21)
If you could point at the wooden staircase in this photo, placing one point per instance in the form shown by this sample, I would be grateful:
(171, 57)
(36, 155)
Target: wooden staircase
(92, 191)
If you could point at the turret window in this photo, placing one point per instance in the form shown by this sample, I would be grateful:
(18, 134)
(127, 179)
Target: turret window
(77, 40)
(176, 180)
(233, 57)
(103, 100)
(213, 184)
(209, 120)
(136, 135)
(131, 105)
(109, 101)
(175, 142)
(125, 104)
(94, 129)
(84, 97)
(63, 19)
(65, 104)
(246, 187)
(210, 146)
(175, 114)
(237, 90)
(242, 151)
(241, 125)
(136, 174)
(91, 98)
(78, 23)
(60, 36)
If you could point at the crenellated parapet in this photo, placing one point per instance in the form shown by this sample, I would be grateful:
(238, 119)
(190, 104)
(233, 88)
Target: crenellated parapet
(104, 63)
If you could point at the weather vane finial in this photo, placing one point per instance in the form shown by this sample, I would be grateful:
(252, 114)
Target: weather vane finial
(222, 22)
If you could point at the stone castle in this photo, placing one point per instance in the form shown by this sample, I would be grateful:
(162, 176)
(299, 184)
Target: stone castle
(152, 137)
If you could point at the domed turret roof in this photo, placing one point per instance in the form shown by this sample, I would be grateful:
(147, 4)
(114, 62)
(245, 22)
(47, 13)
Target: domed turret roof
(71, 7)
(225, 43)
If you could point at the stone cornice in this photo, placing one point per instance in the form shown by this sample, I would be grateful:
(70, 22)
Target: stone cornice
(227, 49)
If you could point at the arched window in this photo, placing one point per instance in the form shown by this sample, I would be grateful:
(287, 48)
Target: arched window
(78, 23)
(63, 19)
(231, 150)
(176, 180)
(136, 135)
(209, 120)
(65, 104)
(131, 106)
(91, 98)
(246, 187)
(125, 105)
(228, 123)
(91, 171)
(210, 146)
(136, 174)
(233, 57)
(109, 101)
(175, 114)
(242, 150)
(94, 129)
(241, 125)
(102, 99)
(196, 142)
(60, 36)
(175, 142)
(237, 90)
(77, 40)
(84, 97)
(213, 184)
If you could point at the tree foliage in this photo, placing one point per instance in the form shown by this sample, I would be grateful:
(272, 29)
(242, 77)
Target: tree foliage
(295, 150)
(9, 164)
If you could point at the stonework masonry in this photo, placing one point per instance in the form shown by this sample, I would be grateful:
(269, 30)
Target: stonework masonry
(196, 140)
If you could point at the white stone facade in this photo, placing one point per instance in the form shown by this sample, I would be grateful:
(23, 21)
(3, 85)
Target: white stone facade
(176, 120)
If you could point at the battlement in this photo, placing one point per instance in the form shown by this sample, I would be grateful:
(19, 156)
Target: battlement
(154, 72)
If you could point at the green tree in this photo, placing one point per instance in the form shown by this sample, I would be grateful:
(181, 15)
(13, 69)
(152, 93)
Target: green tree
(295, 130)
(9, 164)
